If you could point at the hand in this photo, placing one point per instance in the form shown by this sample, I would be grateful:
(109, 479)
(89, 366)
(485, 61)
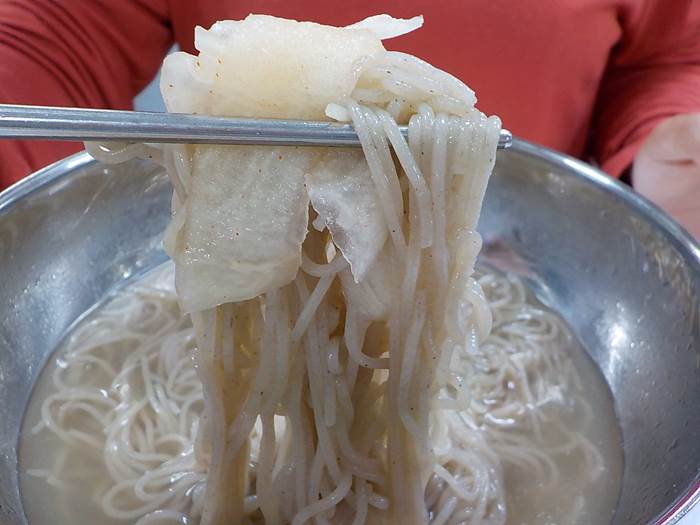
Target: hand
(667, 169)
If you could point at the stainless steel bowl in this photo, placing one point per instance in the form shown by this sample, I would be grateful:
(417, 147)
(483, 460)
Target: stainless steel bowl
(623, 274)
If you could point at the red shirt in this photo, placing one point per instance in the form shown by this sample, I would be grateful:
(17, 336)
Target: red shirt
(587, 77)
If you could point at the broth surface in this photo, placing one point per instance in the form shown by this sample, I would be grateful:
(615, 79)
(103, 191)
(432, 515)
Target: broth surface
(63, 484)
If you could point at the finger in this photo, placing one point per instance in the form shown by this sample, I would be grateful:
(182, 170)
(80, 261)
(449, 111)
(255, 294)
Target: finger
(676, 139)
(667, 183)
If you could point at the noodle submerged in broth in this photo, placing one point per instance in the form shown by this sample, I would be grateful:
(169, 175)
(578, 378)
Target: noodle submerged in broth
(343, 363)
(135, 354)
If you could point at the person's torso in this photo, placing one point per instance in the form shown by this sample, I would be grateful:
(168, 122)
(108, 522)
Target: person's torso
(537, 64)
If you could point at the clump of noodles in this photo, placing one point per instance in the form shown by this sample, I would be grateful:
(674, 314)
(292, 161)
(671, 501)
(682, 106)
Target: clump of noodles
(373, 307)
(100, 378)
(359, 345)
(127, 398)
(512, 402)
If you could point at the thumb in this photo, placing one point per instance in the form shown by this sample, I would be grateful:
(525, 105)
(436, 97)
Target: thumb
(676, 139)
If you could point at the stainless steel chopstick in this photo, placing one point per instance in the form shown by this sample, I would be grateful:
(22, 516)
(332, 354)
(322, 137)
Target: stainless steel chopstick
(53, 123)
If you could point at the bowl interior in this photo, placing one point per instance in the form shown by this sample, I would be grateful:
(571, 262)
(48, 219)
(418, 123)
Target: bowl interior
(622, 274)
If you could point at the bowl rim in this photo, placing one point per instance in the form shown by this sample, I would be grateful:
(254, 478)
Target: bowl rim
(669, 226)
(688, 246)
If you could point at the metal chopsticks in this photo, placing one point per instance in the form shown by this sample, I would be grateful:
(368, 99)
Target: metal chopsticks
(53, 123)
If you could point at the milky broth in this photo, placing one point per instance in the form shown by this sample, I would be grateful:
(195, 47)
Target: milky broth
(82, 479)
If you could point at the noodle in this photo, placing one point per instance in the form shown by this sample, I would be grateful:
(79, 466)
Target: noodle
(472, 443)
(147, 409)
(386, 383)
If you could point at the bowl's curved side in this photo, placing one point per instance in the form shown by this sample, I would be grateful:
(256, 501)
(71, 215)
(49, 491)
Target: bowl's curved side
(68, 234)
(40, 179)
(626, 278)
(673, 231)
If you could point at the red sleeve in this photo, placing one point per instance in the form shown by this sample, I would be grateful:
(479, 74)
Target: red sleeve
(84, 53)
(654, 73)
